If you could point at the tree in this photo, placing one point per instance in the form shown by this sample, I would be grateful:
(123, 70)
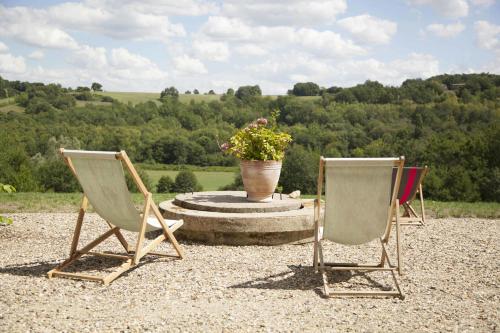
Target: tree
(169, 92)
(230, 92)
(186, 181)
(211, 92)
(96, 86)
(196, 92)
(188, 92)
(245, 92)
(300, 170)
(306, 89)
(165, 184)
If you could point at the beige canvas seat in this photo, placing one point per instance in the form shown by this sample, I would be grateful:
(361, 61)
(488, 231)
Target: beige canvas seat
(359, 208)
(102, 178)
(411, 184)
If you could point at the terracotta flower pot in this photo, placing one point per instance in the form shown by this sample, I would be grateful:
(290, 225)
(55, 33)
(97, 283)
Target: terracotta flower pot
(260, 179)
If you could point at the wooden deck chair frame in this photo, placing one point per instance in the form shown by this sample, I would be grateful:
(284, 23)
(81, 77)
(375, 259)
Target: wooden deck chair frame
(134, 254)
(410, 216)
(385, 264)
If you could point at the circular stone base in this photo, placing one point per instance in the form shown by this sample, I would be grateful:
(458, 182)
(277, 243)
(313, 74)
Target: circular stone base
(225, 217)
(234, 202)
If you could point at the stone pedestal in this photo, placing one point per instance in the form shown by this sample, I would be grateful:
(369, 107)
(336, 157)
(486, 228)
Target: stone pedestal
(226, 217)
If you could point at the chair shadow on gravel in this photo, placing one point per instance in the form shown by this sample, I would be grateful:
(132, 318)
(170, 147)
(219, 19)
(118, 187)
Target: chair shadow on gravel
(304, 278)
(297, 278)
(93, 264)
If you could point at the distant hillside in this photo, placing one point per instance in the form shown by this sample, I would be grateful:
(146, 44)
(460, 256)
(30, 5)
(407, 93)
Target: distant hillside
(450, 123)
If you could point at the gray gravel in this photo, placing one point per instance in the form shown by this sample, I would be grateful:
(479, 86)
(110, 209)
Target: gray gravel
(451, 283)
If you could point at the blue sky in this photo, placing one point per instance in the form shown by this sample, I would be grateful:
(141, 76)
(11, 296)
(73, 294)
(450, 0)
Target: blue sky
(149, 45)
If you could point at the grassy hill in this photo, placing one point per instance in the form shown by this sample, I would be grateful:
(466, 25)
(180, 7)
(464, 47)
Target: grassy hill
(141, 97)
(9, 104)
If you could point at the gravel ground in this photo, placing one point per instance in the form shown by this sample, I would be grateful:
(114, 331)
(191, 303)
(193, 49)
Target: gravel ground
(451, 283)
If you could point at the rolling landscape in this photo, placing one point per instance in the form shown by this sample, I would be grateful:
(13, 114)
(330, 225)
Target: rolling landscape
(249, 166)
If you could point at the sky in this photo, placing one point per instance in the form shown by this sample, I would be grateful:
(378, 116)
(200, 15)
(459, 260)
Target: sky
(147, 45)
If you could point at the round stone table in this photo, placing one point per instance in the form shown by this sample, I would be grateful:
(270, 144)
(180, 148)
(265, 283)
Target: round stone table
(226, 217)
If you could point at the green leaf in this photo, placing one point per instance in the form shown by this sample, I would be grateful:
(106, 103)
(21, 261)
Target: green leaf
(5, 220)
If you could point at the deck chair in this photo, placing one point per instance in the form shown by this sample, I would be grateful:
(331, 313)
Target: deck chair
(359, 208)
(411, 184)
(102, 178)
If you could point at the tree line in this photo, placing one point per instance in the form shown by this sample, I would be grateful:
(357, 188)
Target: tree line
(449, 122)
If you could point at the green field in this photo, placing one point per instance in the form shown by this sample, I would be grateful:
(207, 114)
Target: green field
(83, 103)
(69, 202)
(6, 101)
(11, 107)
(211, 181)
(141, 97)
(9, 104)
(32, 202)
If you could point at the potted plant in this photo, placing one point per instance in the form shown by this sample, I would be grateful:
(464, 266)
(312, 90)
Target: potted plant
(260, 147)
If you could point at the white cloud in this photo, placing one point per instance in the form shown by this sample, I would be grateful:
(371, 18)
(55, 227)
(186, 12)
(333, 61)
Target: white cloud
(123, 58)
(117, 69)
(487, 35)
(115, 19)
(11, 64)
(223, 28)
(289, 69)
(369, 29)
(327, 43)
(446, 30)
(483, 3)
(215, 51)
(90, 57)
(292, 12)
(187, 65)
(3, 47)
(164, 7)
(123, 20)
(251, 50)
(393, 73)
(447, 8)
(36, 55)
(33, 27)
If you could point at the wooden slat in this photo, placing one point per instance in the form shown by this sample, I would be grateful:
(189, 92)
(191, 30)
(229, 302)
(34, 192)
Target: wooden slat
(140, 239)
(393, 209)
(355, 268)
(153, 244)
(362, 293)
(168, 233)
(111, 255)
(120, 270)
(398, 242)
(317, 212)
(135, 176)
(78, 276)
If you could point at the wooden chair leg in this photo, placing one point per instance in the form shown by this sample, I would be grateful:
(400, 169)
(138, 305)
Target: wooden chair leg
(422, 209)
(167, 232)
(398, 245)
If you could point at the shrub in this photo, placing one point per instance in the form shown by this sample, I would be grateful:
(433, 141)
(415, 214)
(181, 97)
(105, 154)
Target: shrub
(236, 185)
(186, 181)
(84, 96)
(55, 176)
(259, 141)
(107, 99)
(6, 189)
(164, 185)
(299, 171)
(132, 187)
